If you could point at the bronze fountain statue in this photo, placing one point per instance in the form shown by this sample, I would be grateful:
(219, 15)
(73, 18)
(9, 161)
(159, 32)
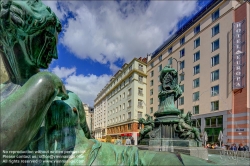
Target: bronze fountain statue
(37, 112)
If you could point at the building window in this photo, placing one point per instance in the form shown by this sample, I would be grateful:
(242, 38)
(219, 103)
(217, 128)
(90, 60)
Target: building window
(215, 75)
(130, 79)
(140, 91)
(196, 96)
(151, 92)
(182, 87)
(129, 115)
(182, 41)
(140, 67)
(181, 100)
(215, 60)
(196, 56)
(152, 73)
(214, 105)
(140, 103)
(170, 49)
(182, 111)
(129, 92)
(123, 106)
(196, 109)
(215, 30)
(170, 61)
(160, 58)
(215, 90)
(182, 65)
(123, 95)
(152, 64)
(151, 82)
(129, 103)
(182, 52)
(130, 68)
(197, 29)
(129, 126)
(182, 77)
(160, 67)
(123, 117)
(159, 88)
(139, 115)
(140, 78)
(196, 69)
(215, 45)
(215, 15)
(196, 82)
(197, 43)
(151, 109)
(151, 101)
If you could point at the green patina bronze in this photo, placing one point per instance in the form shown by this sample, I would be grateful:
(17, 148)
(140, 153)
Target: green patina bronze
(37, 113)
(168, 119)
(170, 92)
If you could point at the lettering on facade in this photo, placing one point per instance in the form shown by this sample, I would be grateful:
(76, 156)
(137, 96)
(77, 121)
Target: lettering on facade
(238, 54)
(239, 129)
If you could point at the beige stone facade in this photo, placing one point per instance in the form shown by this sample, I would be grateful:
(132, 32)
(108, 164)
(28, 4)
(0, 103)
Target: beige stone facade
(89, 112)
(122, 101)
(204, 60)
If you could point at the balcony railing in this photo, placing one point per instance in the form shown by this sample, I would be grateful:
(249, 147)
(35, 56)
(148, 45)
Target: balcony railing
(140, 68)
(140, 106)
(140, 94)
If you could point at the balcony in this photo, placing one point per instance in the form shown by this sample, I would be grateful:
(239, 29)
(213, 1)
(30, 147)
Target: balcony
(140, 106)
(140, 68)
(140, 94)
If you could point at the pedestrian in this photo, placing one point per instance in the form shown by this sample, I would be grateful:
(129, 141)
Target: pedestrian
(223, 147)
(241, 147)
(246, 148)
(132, 141)
(128, 141)
(233, 147)
(216, 146)
(118, 141)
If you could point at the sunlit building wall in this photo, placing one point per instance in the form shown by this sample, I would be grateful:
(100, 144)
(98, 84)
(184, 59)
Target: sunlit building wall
(125, 99)
(201, 51)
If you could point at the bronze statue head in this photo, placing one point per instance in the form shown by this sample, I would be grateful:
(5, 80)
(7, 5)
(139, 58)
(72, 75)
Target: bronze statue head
(28, 35)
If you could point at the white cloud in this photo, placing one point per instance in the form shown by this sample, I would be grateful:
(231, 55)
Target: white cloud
(86, 87)
(106, 31)
(64, 72)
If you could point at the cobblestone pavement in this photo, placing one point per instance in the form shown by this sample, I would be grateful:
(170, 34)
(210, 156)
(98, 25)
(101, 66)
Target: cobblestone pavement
(228, 160)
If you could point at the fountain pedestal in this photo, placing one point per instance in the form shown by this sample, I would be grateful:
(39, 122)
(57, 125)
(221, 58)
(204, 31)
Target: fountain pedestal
(172, 131)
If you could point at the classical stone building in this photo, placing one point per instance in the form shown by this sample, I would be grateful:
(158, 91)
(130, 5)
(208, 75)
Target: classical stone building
(122, 101)
(212, 55)
(89, 112)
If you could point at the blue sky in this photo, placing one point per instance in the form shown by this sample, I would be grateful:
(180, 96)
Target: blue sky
(98, 37)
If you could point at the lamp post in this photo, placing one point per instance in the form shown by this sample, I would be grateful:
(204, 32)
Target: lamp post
(182, 73)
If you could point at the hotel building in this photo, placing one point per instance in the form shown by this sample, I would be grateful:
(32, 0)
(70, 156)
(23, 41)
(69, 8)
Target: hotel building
(122, 102)
(211, 55)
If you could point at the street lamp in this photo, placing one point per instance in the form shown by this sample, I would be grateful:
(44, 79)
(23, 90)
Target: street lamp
(182, 74)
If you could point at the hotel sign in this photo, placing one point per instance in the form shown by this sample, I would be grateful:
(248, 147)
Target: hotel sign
(238, 54)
